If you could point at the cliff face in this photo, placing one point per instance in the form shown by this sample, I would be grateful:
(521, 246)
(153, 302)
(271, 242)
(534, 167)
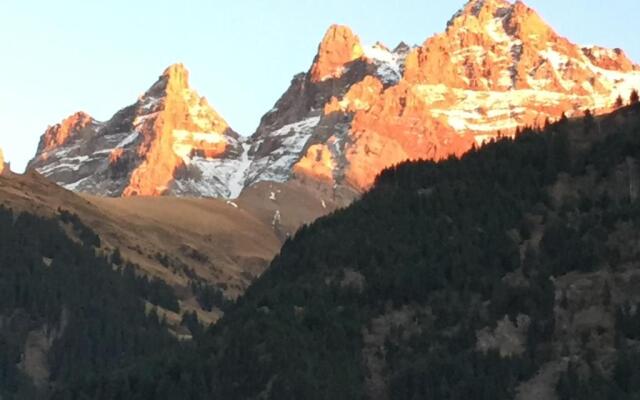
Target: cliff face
(338, 48)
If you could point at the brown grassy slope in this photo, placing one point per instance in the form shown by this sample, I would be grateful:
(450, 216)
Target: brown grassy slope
(227, 244)
(287, 206)
(221, 244)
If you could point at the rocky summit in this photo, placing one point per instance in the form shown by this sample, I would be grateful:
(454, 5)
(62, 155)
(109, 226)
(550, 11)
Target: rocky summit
(167, 142)
(497, 67)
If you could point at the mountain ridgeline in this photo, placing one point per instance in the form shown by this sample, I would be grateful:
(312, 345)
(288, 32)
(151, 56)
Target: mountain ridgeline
(510, 271)
(359, 108)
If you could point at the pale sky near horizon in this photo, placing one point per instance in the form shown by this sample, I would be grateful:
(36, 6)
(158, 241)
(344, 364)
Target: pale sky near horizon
(62, 56)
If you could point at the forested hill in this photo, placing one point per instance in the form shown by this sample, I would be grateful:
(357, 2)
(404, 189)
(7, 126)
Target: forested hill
(511, 272)
(67, 313)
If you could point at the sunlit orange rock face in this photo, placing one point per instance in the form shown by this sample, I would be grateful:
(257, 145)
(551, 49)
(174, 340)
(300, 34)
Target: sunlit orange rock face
(498, 66)
(394, 129)
(185, 124)
(59, 134)
(143, 148)
(358, 110)
(615, 60)
(338, 47)
(361, 96)
(317, 163)
(2, 164)
(116, 155)
(496, 45)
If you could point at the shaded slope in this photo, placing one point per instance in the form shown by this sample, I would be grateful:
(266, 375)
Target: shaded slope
(453, 280)
(66, 312)
(488, 277)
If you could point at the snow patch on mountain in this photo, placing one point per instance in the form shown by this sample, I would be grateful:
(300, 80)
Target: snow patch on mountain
(237, 181)
(390, 64)
(277, 165)
(128, 140)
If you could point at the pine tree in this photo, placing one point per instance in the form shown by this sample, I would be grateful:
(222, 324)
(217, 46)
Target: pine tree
(589, 121)
(619, 102)
(634, 98)
(563, 119)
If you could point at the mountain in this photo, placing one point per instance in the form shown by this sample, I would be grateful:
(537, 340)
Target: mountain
(509, 273)
(171, 141)
(498, 66)
(359, 109)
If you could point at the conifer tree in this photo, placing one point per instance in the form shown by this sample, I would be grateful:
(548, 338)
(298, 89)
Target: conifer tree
(589, 121)
(563, 119)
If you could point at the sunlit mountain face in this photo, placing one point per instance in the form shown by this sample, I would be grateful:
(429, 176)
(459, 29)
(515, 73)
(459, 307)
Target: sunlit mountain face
(360, 108)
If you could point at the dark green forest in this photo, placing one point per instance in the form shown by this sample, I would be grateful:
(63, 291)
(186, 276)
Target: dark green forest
(402, 295)
(89, 310)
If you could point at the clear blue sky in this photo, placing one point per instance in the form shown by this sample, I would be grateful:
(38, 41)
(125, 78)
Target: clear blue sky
(60, 56)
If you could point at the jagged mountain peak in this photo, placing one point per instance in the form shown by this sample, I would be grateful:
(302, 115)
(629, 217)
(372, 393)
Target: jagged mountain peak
(177, 72)
(475, 7)
(338, 47)
(360, 108)
(497, 21)
(498, 66)
(164, 143)
(174, 79)
(502, 46)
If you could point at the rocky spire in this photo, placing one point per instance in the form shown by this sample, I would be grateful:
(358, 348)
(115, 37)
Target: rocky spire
(144, 148)
(338, 47)
(177, 76)
(183, 124)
